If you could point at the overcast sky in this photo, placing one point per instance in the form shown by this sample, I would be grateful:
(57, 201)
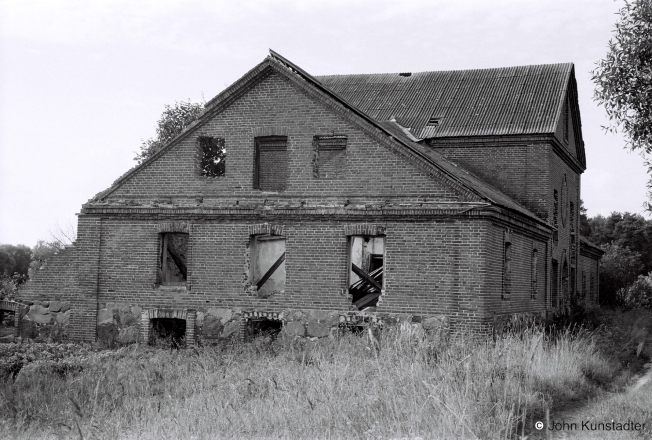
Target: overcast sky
(82, 82)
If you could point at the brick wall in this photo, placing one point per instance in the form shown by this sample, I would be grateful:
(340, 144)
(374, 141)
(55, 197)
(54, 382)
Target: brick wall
(520, 170)
(371, 171)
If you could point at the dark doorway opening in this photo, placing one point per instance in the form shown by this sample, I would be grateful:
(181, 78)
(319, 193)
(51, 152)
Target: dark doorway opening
(168, 332)
(263, 328)
(7, 325)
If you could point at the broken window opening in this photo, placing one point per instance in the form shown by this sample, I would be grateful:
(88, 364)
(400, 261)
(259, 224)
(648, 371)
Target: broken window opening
(330, 156)
(507, 270)
(268, 264)
(174, 250)
(271, 163)
(213, 156)
(262, 328)
(367, 260)
(535, 272)
(167, 332)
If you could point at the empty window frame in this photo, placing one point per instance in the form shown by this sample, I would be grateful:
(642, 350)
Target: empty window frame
(268, 264)
(173, 269)
(212, 156)
(507, 270)
(366, 270)
(566, 121)
(572, 217)
(535, 272)
(330, 156)
(583, 284)
(271, 163)
(592, 289)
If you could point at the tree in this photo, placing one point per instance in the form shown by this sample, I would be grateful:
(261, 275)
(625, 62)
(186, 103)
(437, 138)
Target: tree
(619, 268)
(585, 226)
(624, 78)
(41, 252)
(14, 259)
(173, 121)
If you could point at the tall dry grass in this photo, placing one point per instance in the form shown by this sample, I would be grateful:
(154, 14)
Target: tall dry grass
(412, 387)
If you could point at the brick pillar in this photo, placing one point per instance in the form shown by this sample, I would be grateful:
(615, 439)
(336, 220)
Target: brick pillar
(191, 321)
(83, 317)
(144, 326)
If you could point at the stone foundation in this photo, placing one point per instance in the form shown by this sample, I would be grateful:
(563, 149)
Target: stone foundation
(42, 320)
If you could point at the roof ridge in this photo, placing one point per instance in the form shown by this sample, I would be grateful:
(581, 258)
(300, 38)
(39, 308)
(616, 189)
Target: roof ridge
(569, 63)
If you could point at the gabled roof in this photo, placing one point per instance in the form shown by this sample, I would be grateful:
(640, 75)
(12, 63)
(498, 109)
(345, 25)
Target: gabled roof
(502, 101)
(455, 176)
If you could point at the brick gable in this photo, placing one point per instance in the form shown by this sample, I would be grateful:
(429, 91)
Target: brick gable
(370, 169)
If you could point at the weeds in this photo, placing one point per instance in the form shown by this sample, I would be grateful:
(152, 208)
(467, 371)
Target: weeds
(340, 388)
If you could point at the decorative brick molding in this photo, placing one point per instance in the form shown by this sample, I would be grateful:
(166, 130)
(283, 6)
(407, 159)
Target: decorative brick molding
(266, 228)
(271, 131)
(364, 229)
(174, 227)
(190, 316)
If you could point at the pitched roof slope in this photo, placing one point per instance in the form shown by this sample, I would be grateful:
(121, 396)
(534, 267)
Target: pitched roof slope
(509, 100)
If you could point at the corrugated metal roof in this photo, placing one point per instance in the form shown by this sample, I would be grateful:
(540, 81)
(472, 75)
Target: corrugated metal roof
(508, 100)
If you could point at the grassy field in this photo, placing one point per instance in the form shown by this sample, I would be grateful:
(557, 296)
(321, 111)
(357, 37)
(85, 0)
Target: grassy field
(411, 388)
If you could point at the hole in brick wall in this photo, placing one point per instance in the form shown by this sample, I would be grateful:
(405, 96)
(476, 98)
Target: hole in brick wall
(7, 324)
(167, 332)
(367, 256)
(263, 328)
(213, 156)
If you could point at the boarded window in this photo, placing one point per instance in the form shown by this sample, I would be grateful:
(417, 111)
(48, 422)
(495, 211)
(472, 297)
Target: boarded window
(268, 264)
(367, 263)
(330, 156)
(174, 250)
(271, 167)
(212, 156)
(535, 272)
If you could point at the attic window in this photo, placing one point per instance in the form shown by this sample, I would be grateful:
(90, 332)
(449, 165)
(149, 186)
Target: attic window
(212, 155)
(330, 156)
(433, 121)
(406, 74)
(271, 166)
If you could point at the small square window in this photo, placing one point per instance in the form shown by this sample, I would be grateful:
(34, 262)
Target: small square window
(173, 269)
(330, 156)
(212, 156)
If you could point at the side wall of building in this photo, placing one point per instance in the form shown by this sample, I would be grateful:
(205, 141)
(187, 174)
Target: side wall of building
(519, 169)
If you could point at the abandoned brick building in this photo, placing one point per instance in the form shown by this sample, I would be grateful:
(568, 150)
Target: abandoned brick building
(302, 203)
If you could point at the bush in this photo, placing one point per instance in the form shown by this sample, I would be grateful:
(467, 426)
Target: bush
(638, 294)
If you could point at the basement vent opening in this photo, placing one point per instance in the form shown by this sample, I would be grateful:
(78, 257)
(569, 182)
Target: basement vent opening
(405, 74)
(262, 328)
(168, 332)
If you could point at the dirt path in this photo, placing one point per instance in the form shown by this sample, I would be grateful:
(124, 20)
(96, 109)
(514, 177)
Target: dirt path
(581, 421)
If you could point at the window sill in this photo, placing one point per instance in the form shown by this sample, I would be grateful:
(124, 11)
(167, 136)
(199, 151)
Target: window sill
(172, 287)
